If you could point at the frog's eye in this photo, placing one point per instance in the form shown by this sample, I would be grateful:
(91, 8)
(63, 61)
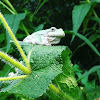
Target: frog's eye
(53, 29)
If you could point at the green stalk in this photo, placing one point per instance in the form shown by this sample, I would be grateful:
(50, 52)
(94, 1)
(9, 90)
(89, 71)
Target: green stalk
(14, 39)
(24, 28)
(14, 62)
(88, 1)
(58, 92)
(7, 7)
(10, 5)
(12, 78)
(95, 13)
(96, 16)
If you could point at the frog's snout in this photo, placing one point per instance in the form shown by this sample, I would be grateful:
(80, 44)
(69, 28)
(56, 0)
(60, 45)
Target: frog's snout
(63, 34)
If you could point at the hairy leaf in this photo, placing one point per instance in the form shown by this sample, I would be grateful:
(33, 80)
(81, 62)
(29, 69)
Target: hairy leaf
(46, 64)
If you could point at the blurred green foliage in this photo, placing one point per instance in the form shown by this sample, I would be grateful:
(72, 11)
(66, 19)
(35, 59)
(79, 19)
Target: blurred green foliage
(80, 20)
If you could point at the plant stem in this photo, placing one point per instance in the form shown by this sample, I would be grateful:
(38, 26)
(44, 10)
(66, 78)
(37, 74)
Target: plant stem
(29, 55)
(57, 91)
(96, 16)
(7, 7)
(14, 39)
(94, 13)
(10, 5)
(14, 62)
(40, 4)
(88, 1)
(24, 28)
(12, 78)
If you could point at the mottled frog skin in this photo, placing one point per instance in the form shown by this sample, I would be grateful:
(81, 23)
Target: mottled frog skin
(46, 37)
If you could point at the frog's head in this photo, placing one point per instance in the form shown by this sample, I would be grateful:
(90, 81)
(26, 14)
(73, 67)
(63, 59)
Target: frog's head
(53, 32)
(53, 35)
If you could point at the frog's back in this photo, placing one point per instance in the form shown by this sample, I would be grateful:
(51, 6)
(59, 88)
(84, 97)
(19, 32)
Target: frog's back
(30, 39)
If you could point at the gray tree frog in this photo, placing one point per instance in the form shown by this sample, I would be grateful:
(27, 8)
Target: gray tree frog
(46, 37)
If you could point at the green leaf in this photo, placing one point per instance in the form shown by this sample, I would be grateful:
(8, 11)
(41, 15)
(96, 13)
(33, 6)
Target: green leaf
(5, 70)
(0, 22)
(98, 73)
(78, 15)
(84, 81)
(13, 21)
(40, 4)
(40, 27)
(86, 21)
(95, 18)
(87, 83)
(3, 96)
(88, 42)
(46, 64)
(53, 96)
(77, 68)
(20, 36)
(92, 93)
(92, 38)
(93, 69)
(66, 81)
(97, 1)
(2, 37)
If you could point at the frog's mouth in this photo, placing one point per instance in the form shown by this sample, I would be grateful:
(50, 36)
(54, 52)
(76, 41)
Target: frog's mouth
(53, 40)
